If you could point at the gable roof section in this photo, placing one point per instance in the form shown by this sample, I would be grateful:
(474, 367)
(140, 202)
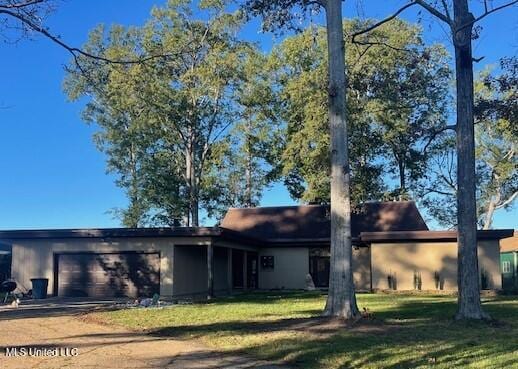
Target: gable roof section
(311, 223)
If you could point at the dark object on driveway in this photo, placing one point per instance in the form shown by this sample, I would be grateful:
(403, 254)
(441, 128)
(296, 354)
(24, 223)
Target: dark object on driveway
(39, 288)
(7, 287)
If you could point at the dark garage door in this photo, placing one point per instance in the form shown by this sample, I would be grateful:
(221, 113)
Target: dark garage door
(108, 274)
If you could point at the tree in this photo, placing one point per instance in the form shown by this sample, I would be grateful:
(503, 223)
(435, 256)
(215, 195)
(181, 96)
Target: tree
(461, 27)
(300, 64)
(409, 100)
(396, 101)
(123, 135)
(182, 107)
(437, 190)
(495, 152)
(341, 301)
(497, 139)
(245, 164)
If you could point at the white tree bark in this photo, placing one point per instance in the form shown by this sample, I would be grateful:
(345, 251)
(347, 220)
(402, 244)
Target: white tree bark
(469, 306)
(341, 301)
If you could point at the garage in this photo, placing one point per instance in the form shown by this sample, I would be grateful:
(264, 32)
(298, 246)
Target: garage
(122, 274)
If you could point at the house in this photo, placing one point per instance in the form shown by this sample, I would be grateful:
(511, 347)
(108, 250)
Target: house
(5, 262)
(509, 262)
(253, 248)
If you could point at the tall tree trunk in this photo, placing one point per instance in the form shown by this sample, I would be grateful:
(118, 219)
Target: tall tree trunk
(402, 178)
(341, 300)
(491, 207)
(194, 199)
(134, 198)
(469, 306)
(192, 182)
(188, 180)
(195, 204)
(488, 219)
(248, 173)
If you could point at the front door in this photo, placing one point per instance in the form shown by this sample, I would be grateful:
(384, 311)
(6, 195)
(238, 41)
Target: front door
(319, 269)
(251, 270)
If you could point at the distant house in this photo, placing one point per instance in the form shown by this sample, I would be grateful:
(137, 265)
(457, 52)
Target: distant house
(253, 248)
(5, 262)
(509, 262)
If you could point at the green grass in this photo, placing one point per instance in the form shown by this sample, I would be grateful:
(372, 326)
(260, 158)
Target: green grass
(406, 331)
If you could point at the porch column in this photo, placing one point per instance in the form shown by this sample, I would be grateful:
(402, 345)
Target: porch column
(210, 271)
(229, 270)
(245, 270)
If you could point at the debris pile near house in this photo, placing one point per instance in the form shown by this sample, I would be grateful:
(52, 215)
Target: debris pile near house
(154, 302)
(310, 285)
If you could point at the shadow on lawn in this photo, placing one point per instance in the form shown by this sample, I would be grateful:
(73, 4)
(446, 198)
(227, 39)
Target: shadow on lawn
(267, 297)
(412, 334)
(403, 349)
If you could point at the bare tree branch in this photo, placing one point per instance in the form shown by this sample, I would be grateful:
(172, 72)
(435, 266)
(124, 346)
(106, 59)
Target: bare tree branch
(445, 17)
(20, 5)
(485, 14)
(434, 134)
(434, 11)
(446, 10)
(74, 51)
(388, 19)
(381, 43)
(508, 201)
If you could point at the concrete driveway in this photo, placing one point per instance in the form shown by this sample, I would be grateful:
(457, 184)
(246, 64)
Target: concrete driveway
(55, 327)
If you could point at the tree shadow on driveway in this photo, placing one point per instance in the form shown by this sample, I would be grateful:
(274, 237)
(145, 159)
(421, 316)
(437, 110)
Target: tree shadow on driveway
(54, 307)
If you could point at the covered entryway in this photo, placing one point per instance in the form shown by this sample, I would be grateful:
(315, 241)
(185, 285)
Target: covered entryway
(319, 269)
(319, 266)
(131, 274)
(244, 269)
(238, 270)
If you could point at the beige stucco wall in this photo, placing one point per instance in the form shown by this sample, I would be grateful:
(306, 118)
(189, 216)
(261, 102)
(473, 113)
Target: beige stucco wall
(35, 258)
(403, 259)
(362, 268)
(510, 243)
(291, 265)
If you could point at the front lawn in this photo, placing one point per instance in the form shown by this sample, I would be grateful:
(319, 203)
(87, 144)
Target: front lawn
(404, 331)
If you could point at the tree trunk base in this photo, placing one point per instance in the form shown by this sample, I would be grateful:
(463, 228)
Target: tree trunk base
(478, 315)
(347, 315)
(342, 309)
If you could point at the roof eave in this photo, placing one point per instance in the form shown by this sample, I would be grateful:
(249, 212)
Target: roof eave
(439, 236)
(111, 233)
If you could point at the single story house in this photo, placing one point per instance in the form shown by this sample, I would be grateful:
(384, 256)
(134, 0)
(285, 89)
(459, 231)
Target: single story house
(252, 248)
(5, 261)
(509, 262)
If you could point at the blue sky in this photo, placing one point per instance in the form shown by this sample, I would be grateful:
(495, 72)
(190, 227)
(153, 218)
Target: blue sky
(52, 174)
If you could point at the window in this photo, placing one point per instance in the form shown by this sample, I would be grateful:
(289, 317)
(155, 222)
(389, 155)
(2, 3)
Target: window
(267, 262)
(506, 267)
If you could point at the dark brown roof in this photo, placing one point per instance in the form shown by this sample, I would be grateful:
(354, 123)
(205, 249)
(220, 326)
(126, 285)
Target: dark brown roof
(311, 223)
(217, 232)
(442, 236)
(111, 233)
